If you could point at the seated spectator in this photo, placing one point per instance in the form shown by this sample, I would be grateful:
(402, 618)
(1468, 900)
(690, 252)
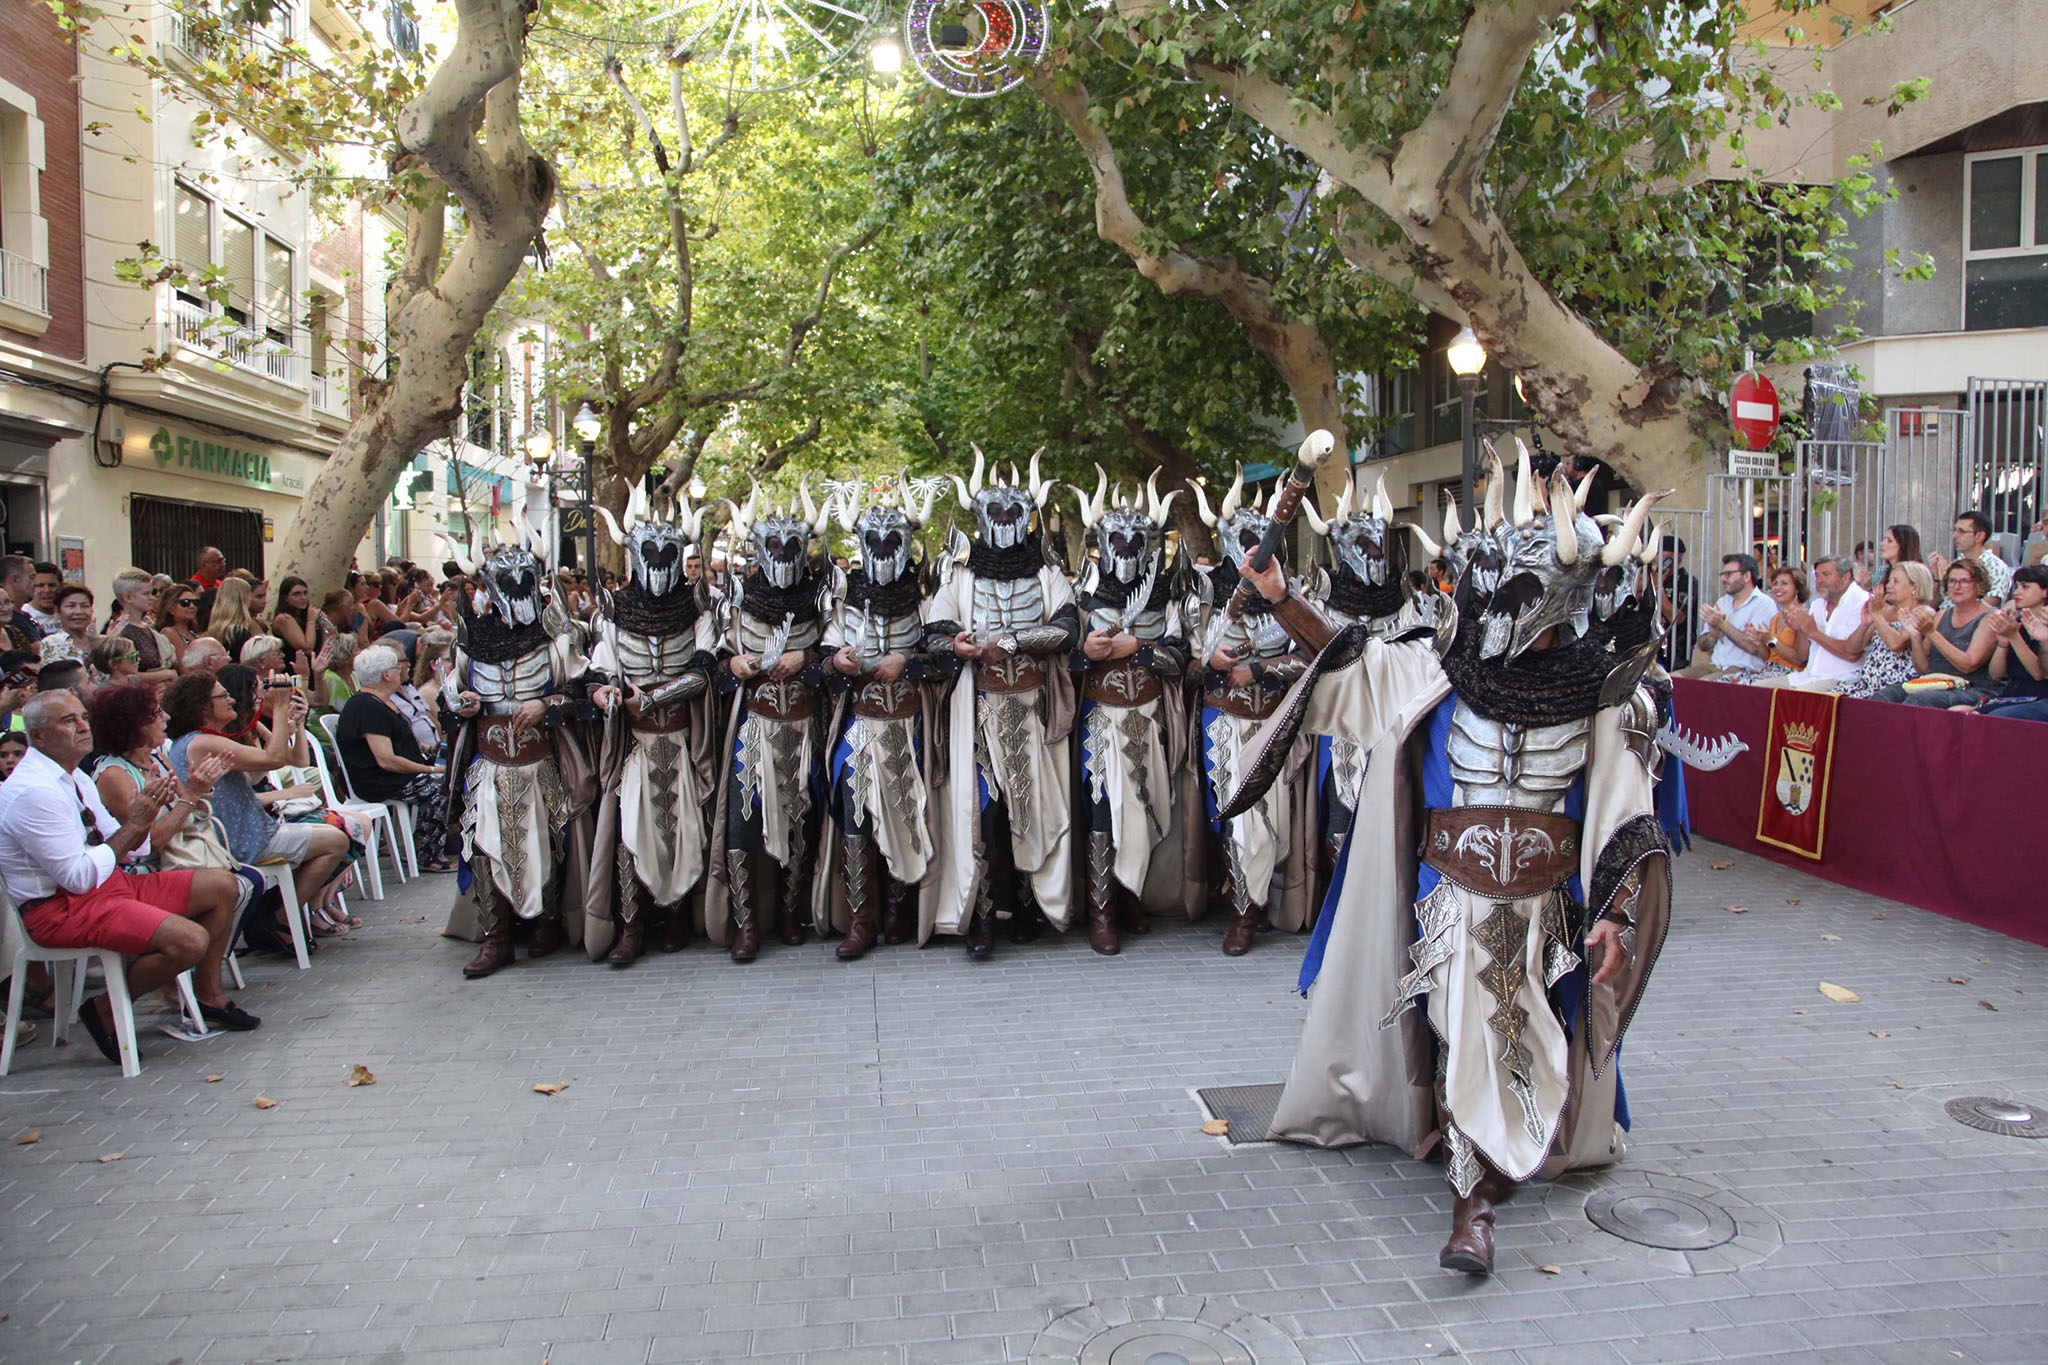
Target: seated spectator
(339, 675)
(232, 621)
(205, 655)
(1782, 646)
(373, 616)
(202, 717)
(432, 666)
(339, 607)
(177, 620)
(136, 597)
(1956, 644)
(2020, 658)
(1972, 536)
(1729, 620)
(384, 760)
(114, 659)
(1894, 624)
(264, 653)
(13, 744)
(73, 638)
(67, 675)
(42, 602)
(1833, 628)
(127, 729)
(61, 855)
(296, 623)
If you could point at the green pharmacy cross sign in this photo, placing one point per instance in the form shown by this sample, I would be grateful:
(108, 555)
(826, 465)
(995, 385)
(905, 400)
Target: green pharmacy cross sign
(214, 459)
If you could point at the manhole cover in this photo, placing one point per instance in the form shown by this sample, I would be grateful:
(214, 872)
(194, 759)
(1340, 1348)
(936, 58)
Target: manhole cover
(2007, 1118)
(1188, 1330)
(1671, 1219)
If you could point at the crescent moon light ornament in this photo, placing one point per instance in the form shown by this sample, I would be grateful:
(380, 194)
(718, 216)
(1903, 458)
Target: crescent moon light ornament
(975, 48)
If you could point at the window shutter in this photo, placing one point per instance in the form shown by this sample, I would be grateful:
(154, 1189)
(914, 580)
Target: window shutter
(238, 257)
(277, 288)
(193, 240)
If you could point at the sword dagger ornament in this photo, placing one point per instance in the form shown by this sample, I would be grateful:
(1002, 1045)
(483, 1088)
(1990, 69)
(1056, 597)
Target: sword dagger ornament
(778, 641)
(1707, 755)
(1135, 603)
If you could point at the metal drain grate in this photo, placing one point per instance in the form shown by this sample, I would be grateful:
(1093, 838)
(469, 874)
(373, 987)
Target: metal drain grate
(2007, 1118)
(1189, 1330)
(1250, 1109)
(1671, 1219)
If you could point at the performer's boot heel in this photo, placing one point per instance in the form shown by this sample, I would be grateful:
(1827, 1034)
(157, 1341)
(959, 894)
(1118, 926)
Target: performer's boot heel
(496, 949)
(675, 930)
(1102, 893)
(746, 928)
(1470, 1248)
(631, 942)
(547, 935)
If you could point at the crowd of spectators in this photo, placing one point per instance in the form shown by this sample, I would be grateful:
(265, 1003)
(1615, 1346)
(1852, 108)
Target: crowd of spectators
(1967, 633)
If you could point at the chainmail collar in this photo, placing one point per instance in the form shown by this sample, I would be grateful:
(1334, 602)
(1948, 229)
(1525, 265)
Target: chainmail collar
(896, 598)
(769, 604)
(640, 612)
(1536, 687)
(488, 640)
(1360, 600)
(1022, 560)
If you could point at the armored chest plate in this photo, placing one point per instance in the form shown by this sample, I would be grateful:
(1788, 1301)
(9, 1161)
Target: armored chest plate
(529, 676)
(1007, 604)
(1498, 764)
(652, 659)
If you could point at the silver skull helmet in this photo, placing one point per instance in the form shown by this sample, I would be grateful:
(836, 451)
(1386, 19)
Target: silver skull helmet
(1128, 538)
(780, 539)
(512, 577)
(656, 540)
(1002, 511)
(1523, 574)
(1358, 535)
(1239, 525)
(884, 529)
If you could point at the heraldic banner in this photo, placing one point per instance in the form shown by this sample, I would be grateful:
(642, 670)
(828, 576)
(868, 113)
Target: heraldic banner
(1798, 758)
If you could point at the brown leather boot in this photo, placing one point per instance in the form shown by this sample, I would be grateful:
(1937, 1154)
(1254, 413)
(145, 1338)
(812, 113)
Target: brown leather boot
(496, 949)
(981, 928)
(675, 929)
(1244, 914)
(1102, 890)
(630, 943)
(746, 928)
(863, 915)
(1470, 1248)
(547, 934)
(1135, 918)
(794, 906)
(899, 910)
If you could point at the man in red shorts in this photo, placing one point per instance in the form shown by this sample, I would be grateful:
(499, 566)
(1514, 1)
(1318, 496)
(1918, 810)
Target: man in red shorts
(61, 856)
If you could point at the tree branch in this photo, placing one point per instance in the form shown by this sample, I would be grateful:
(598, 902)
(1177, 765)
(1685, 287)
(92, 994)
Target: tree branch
(1350, 228)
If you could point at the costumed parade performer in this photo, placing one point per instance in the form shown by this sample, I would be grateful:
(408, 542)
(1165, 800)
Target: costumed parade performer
(1248, 664)
(879, 743)
(1133, 724)
(1008, 615)
(766, 811)
(520, 782)
(1518, 757)
(651, 663)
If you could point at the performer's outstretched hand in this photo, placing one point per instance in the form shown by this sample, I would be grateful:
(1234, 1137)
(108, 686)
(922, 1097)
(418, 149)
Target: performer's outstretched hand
(1606, 935)
(1271, 581)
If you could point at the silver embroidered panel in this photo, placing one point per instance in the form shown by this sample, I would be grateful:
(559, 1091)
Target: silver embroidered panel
(1497, 764)
(648, 660)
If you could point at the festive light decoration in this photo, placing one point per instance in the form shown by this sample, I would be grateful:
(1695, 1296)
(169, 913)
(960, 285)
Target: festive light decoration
(975, 49)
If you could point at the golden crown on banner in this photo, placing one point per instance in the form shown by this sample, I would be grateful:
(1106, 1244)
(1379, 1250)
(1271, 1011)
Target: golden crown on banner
(1799, 736)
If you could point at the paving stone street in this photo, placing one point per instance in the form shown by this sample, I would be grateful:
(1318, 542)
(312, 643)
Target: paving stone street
(917, 1159)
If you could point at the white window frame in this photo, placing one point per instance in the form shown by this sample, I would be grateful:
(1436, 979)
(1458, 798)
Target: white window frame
(24, 232)
(258, 325)
(2031, 168)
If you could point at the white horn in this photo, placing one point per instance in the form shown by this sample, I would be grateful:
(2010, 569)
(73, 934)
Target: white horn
(980, 465)
(1584, 493)
(611, 526)
(1041, 489)
(1525, 486)
(1345, 499)
(1623, 543)
(1564, 516)
(1653, 544)
(819, 519)
(1382, 505)
(846, 511)
(1234, 498)
(636, 504)
(1091, 508)
(1492, 515)
(1322, 528)
(1202, 510)
(1429, 547)
(1452, 530)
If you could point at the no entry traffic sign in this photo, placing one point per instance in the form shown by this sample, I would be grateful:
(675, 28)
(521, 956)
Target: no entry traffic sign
(1753, 408)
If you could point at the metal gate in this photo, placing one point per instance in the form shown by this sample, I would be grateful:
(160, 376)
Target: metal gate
(2004, 476)
(167, 534)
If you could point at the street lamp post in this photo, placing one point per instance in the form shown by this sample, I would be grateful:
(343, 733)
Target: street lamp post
(587, 425)
(1467, 359)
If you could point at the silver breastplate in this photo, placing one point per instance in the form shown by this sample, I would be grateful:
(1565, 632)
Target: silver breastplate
(1007, 604)
(754, 634)
(522, 679)
(1530, 766)
(648, 660)
(876, 635)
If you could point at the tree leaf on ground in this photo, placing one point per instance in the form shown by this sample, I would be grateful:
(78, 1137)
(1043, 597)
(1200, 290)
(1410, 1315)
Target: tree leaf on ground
(1736, 909)
(1987, 1005)
(1799, 1011)
(1791, 902)
(265, 1102)
(111, 1156)
(1720, 867)
(1841, 995)
(1551, 1269)
(361, 1075)
(1880, 916)
(1830, 938)
(1216, 1127)
(1879, 1033)
(1956, 980)
(33, 1135)
(550, 1088)
(211, 1079)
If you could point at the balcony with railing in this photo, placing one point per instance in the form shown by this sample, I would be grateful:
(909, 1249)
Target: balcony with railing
(24, 284)
(257, 352)
(330, 395)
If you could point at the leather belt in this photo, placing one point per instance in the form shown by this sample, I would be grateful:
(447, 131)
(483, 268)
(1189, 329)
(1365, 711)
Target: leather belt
(1018, 673)
(1249, 702)
(1120, 682)
(782, 699)
(1501, 851)
(497, 741)
(663, 722)
(897, 700)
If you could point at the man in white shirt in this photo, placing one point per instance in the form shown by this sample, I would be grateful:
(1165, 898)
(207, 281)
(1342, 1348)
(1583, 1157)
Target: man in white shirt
(1828, 622)
(60, 856)
(1728, 621)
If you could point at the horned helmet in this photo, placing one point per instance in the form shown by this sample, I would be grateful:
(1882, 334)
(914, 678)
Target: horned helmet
(1129, 539)
(884, 528)
(779, 539)
(656, 538)
(1002, 511)
(511, 570)
(1520, 575)
(1358, 535)
(1618, 585)
(1239, 525)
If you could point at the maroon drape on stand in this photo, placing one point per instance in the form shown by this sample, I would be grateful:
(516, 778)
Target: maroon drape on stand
(1944, 811)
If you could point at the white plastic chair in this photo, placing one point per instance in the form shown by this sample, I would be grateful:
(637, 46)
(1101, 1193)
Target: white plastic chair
(278, 873)
(67, 974)
(379, 816)
(400, 829)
